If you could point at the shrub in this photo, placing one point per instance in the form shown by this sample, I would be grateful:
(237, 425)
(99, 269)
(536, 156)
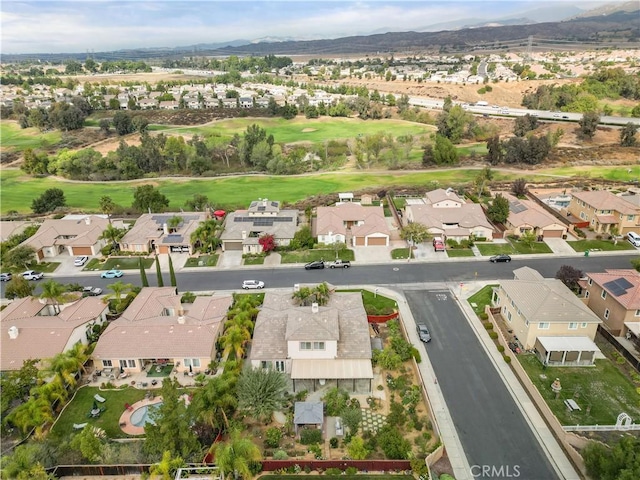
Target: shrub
(620, 360)
(333, 471)
(500, 348)
(506, 358)
(351, 470)
(310, 436)
(273, 437)
(280, 455)
(493, 334)
(488, 325)
(333, 442)
(483, 316)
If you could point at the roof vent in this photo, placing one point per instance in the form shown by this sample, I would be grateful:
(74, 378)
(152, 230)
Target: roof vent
(13, 332)
(181, 319)
(314, 307)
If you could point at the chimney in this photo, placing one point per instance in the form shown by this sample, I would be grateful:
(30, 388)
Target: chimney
(165, 229)
(244, 234)
(87, 220)
(13, 332)
(314, 307)
(264, 202)
(181, 319)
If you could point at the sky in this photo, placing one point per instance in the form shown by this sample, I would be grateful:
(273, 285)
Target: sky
(98, 25)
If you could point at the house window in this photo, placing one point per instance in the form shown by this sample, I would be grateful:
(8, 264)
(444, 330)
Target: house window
(279, 365)
(573, 325)
(606, 313)
(637, 313)
(519, 313)
(586, 294)
(526, 322)
(513, 304)
(191, 362)
(630, 217)
(131, 363)
(604, 294)
(305, 345)
(583, 325)
(318, 345)
(504, 309)
(107, 363)
(264, 364)
(543, 325)
(509, 316)
(590, 281)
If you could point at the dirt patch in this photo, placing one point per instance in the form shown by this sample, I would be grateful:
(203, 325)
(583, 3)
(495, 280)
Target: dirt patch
(111, 144)
(308, 130)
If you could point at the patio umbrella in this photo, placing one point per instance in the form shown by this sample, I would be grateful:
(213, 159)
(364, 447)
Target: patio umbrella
(95, 405)
(219, 213)
(190, 369)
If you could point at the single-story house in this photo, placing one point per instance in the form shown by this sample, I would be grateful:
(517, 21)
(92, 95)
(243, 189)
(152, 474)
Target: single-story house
(457, 222)
(73, 235)
(528, 216)
(152, 233)
(352, 224)
(539, 310)
(157, 328)
(314, 345)
(33, 330)
(10, 228)
(243, 228)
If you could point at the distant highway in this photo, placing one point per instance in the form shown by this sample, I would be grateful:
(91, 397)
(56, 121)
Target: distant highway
(497, 110)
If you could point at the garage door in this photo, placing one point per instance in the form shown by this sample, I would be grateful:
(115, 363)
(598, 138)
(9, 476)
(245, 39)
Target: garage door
(359, 241)
(163, 249)
(552, 233)
(377, 241)
(82, 251)
(233, 245)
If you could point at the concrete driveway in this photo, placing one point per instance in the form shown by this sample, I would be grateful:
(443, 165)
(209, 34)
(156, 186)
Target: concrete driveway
(559, 246)
(230, 259)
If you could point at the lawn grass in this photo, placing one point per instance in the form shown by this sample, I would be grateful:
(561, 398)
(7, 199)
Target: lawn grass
(207, 261)
(537, 247)
(513, 247)
(374, 302)
(308, 130)
(604, 245)
(165, 371)
(400, 253)
(118, 263)
(602, 392)
(77, 410)
(481, 298)
(18, 139)
(459, 252)
(306, 256)
(253, 260)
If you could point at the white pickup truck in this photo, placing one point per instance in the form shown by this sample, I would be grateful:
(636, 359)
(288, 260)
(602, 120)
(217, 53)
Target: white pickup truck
(338, 264)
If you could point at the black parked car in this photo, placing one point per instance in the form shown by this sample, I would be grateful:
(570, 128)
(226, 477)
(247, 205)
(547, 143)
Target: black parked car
(503, 257)
(317, 265)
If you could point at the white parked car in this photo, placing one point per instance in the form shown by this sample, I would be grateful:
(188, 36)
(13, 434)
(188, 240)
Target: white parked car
(339, 428)
(32, 275)
(251, 284)
(80, 261)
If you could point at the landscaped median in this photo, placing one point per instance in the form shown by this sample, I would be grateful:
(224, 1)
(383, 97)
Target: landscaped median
(118, 263)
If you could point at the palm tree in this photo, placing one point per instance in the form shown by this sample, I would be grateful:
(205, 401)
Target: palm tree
(63, 368)
(322, 293)
(302, 295)
(174, 222)
(166, 468)
(205, 235)
(117, 290)
(113, 235)
(53, 391)
(35, 413)
(234, 340)
(243, 320)
(78, 354)
(107, 206)
(234, 456)
(55, 294)
(216, 401)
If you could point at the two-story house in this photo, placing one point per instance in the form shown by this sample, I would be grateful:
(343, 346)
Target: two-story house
(315, 345)
(614, 296)
(243, 228)
(603, 211)
(548, 317)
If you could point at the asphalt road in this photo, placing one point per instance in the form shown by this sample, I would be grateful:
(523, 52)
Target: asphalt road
(384, 274)
(496, 439)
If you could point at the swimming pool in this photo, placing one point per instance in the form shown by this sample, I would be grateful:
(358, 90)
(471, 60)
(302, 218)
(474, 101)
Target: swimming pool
(140, 417)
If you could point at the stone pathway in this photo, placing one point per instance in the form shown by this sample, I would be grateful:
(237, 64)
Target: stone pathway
(371, 421)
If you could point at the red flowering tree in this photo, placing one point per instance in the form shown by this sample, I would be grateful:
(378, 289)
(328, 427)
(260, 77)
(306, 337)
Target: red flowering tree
(268, 242)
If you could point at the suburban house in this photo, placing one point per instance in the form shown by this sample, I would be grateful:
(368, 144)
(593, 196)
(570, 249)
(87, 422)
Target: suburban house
(9, 228)
(614, 296)
(352, 224)
(527, 216)
(157, 329)
(243, 228)
(447, 215)
(33, 330)
(548, 317)
(315, 344)
(603, 211)
(73, 235)
(163, 232)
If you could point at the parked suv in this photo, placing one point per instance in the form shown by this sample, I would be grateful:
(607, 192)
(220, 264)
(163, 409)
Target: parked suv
(80, 261)
(32, 275)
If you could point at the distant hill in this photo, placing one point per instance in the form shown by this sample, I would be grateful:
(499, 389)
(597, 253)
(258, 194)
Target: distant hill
(594, 27)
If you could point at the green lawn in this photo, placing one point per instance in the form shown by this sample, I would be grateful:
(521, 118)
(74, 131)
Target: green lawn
(477, 148)
(400, 253)
(374, 302)
(605, 245)
(118, 263)
(481, 298)
(514, 247)
(459, 252)
(207, 261)
(309, 130)
(253, 260)
(306, 256)
(77, 410)
(602, 392)
(165, 371)
(15, 138)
